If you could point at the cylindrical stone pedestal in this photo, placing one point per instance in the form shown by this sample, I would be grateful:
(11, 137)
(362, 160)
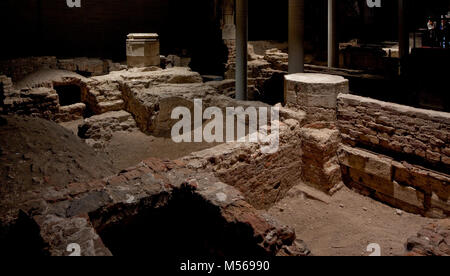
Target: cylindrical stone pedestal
(143, 50)
(316, 94)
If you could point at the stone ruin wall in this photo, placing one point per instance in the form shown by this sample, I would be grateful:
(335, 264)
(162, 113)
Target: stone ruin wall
(397, 154)
(18, 68)
(41, 99)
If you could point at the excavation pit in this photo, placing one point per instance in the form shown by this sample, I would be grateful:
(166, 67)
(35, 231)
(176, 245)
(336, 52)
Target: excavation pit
(68, 94)
(22, 238)
(184, 225)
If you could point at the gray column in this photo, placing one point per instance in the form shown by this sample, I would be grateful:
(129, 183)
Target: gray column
(296, 36)
(332, 40)
(241, 49)
(403, 35)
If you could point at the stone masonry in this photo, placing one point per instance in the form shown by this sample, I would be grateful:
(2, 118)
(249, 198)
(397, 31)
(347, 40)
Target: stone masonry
(98, 130)
(396, 154)
(320, 166)
(431, 240)
(416, 133)
(315, 94)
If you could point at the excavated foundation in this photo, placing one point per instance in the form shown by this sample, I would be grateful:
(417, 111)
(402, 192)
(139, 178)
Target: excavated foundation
(185, 225)
(68, 94)
(22, 238)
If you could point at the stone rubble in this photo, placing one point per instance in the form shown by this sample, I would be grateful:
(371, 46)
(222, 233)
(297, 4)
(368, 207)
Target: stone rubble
(73, 214)
(432, 240)
(98, 130)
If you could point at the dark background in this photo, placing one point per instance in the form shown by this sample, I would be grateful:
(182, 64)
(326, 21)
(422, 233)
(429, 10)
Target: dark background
(99, 27)
(191, 27)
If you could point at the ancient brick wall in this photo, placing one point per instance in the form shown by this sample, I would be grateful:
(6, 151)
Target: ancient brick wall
(42, 102)
(419, 134)
(397, 154)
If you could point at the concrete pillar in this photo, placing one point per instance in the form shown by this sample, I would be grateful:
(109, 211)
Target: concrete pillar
(241, 49)
(296, 36)
(332, 35)
(403, 35)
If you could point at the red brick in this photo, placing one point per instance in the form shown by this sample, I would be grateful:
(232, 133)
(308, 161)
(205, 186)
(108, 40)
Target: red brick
(179, 163)
(131, 175)
(145, 170)
(97, 184)
(157, 165)
(77, 188)
(116, 180)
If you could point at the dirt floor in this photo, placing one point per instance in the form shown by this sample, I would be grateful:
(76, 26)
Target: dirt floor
(127, 149)
(36, 153)
(348, 224)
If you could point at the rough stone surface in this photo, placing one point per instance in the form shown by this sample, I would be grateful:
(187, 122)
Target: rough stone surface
(58, 233)
(432, 240)
(262, 178)
(40, 102)
(152, 184)
(153, 107)
(408, 166)
(265, 77)
(49, 78)
(422, 135)
(18, 68)
(315, 94)
(98, 130)
(321, 167)
(71, 112)
(106, 93)
(405, 186)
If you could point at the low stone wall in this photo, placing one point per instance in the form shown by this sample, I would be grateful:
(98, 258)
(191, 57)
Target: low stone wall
(41, 102)
(98, 130)
(305, 155)
(395, 153)
(419, 134)
(432, 240)
(112, 92)
(320, 165)
(263, 178)
(17, 69)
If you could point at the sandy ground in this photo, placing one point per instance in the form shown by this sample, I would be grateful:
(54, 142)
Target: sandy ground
(36, 153)
(127, 149)
(348, 224)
